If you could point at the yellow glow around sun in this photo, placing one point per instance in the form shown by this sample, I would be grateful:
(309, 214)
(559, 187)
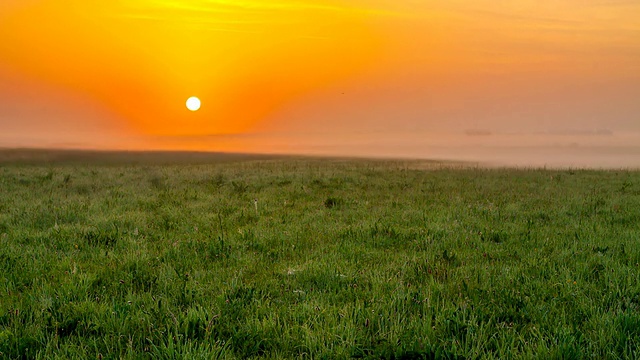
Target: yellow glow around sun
(193, 103)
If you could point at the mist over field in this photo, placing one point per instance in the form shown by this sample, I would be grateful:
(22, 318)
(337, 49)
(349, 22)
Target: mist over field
(598, 149)
(521, 150)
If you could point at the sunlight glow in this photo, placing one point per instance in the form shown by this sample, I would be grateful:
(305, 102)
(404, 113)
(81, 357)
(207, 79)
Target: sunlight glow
(301, 66)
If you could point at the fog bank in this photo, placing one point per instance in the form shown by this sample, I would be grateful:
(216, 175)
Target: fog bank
(600, 150)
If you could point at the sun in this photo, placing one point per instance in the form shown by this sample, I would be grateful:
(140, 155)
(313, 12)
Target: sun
(193, 103)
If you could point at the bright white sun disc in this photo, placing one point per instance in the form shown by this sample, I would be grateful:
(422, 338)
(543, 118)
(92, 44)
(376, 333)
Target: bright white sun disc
(193, 103)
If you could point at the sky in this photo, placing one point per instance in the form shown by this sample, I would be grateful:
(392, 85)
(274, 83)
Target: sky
(358, 77)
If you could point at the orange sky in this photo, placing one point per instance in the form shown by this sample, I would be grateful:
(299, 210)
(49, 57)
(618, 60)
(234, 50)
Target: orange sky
(108, 73)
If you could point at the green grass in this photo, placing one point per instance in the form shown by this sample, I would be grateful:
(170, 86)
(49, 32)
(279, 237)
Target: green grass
(341, 259)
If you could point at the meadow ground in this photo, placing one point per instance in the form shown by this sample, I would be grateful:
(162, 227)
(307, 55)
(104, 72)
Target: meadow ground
(196, 257)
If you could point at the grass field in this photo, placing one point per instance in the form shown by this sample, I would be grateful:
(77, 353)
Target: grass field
(309, 258)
